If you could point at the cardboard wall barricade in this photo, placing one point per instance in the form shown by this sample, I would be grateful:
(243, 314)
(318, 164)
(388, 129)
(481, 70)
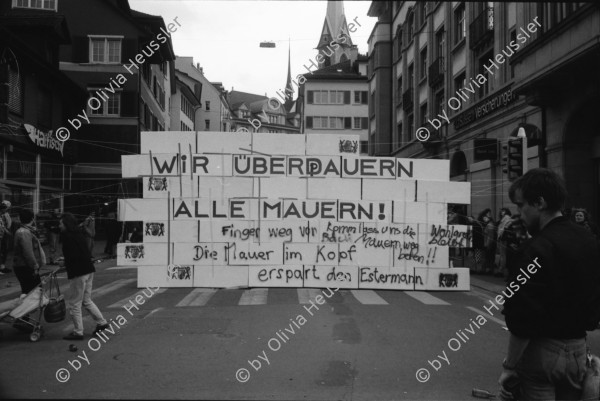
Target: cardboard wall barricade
(275, 210)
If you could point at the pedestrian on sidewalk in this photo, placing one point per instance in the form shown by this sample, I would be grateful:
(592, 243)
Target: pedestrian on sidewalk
(88, 226)
(28, 252)
(505, 219)
(80, 272)
(550, 309)
(489, 240)
(5, 235)
(52, 226)
(113, 232)
(478, 248)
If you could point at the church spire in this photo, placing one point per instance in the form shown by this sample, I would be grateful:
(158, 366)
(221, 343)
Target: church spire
(335, 43)
(289, 90)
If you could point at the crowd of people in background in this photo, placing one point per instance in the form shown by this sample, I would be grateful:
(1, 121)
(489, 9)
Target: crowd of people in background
(495, 243)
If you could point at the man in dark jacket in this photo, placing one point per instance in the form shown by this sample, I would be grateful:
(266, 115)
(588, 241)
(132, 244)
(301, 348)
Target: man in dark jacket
(80, 272)
(556, 298)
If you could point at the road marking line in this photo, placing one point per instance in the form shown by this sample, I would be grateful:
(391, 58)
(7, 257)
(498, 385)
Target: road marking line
(151, 313)
(198, 297)
(487, 316)
(426, 298)
(255, 296)
(126, 300)
(368, 297)
(98, 292)
(305, 295)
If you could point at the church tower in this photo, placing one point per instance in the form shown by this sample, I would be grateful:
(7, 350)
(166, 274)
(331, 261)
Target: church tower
(335, 43)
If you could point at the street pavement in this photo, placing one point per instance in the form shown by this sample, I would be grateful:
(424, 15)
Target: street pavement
(262, 344)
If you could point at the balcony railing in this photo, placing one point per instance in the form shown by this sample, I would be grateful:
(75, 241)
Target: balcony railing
(436, 72)
(407, 99)
(482, 28)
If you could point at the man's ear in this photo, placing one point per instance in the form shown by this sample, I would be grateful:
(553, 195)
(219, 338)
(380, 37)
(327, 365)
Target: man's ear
(541, 204)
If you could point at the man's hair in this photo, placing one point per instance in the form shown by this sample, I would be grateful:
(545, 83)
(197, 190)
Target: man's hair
(540, 182)
(70, 222)
(25, 216)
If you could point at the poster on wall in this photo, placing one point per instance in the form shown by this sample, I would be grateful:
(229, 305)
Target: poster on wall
(275, 210)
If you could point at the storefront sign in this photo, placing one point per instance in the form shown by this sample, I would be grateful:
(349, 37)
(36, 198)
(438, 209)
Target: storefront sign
(485, 149)
(44, 139)
(488, 106)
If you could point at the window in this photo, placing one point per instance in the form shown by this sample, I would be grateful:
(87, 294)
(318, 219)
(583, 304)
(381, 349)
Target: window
(105, 49)
(207, 105)
(440, 43)
(513, 37)
(399, 91)
(460, 24)
(411, 126)
(553, 14)
(361, 97)
(15, 91)
(38, 4)
(102, 106)
(439, 103)
(410, 25)
(411, 76)
(360, 123)
(459, 83)
(207, 124)
(486, 88)
(423, 114)
(421, 14)
(399, 135)
(159, 93)
(184, 127)
(423, 67)
(398, 43)
(272, 119)
(328, 97)
(187, 107)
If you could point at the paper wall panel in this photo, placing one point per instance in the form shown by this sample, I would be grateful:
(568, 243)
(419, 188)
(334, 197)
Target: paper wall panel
(282, 187)
(139, 209)
(140, 254)
(387, 278)
(167, 141)
(333, 188)
(220, 277)
(278, 144)
(397, 190)
(420, 212)
(456, 279)
(200, 254)
(330, 277)
(444, 192)
(276, 276)
(224, 142)
(423, 169)
(332, 144)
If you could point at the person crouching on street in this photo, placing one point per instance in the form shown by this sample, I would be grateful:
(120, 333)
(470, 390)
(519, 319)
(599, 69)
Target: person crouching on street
(80, 272)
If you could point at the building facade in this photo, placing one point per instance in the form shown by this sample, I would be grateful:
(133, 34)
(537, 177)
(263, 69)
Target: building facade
(123, 60)
(213, 111)
(256, 113)
(36, 98)
(470, 72)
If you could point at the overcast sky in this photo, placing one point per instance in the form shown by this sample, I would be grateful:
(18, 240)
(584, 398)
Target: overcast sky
(224, 37)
